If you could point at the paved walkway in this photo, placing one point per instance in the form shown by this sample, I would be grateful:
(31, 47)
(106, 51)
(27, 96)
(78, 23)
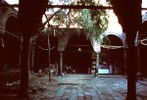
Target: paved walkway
(86, 87)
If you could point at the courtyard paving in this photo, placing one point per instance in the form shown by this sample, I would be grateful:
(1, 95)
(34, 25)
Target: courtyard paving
(86, 87)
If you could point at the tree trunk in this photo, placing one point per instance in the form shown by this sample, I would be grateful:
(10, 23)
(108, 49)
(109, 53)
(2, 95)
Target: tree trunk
(23, 93)
(132, 69)
(49, 54)
(30, 20)
(129, 15)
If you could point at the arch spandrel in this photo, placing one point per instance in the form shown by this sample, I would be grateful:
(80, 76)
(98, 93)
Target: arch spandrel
(62, 42)
(67, 34)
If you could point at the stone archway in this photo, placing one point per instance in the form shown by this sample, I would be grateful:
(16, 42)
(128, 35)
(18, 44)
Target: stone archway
(114, 57)
(11, 42)
(9, 45)
(9, 37)
(77, 53)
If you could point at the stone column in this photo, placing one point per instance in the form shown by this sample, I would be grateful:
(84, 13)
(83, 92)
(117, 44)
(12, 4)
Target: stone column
(61, 64)
(97, 64)
(125, 60)
(139, 74)
(31, 53)
(97, 50)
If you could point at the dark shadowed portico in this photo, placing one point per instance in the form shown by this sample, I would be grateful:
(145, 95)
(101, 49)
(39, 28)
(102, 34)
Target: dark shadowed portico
(78, 52)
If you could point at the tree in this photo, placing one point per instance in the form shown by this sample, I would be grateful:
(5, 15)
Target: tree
(30, 17)
(93, 22)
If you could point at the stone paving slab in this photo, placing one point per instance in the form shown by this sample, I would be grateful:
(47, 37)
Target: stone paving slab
(87, 87)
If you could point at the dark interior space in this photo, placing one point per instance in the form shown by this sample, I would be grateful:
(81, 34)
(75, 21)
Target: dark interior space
(10, 52)
(143, 49)
(114, 56)
(114, 40)
(143, 60)
(11, 43)
(54, 55)
(77, 53)
(41, 52)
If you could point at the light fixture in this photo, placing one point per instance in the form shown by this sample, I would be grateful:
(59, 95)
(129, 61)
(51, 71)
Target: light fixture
(79, 49)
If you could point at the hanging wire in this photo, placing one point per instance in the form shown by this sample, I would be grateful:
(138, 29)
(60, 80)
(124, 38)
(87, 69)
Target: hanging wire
(45, 48)
(144, 40)
(11, 34)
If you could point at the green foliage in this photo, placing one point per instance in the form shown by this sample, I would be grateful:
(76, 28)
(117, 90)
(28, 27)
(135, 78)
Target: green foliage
(59, 18)
(94, 22)
(106, 41)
